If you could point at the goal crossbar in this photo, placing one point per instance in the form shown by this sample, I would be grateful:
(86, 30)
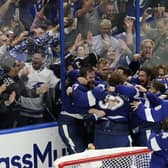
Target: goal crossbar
(97, 155)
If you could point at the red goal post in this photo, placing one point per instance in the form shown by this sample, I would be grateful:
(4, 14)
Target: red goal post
(126, 157)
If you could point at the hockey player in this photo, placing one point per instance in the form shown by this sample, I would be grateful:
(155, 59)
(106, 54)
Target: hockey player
(158, 142)
(150, 100)
(152, 114)
(157, 110)
(115, 103)
(71, 120)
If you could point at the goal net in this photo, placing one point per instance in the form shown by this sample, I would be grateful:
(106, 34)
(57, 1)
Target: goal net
(126, 157)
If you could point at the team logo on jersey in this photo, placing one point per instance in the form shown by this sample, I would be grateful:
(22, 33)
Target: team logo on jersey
(8, 81)
(141, 3)
(37, 85)
(111, 102)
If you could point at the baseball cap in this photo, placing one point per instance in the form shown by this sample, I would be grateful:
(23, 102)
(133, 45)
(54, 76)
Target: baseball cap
(7, 63)
(105, 23)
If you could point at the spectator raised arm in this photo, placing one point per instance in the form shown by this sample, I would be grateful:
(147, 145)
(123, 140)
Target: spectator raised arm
(86, 7)
(4, 8)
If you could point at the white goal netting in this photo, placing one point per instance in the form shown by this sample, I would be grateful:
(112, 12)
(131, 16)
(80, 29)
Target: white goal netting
(127, 157)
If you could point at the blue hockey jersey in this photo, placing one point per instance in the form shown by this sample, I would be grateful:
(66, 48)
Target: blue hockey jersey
(158, 142)
(115, 105)
(153, 114)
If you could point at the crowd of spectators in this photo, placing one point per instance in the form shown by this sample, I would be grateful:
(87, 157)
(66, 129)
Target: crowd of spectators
(110, 87)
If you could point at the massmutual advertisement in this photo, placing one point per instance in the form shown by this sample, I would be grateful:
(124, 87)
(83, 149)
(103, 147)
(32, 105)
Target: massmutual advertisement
(30, 147)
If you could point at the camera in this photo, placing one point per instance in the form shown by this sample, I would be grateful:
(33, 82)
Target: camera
(31, 34)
